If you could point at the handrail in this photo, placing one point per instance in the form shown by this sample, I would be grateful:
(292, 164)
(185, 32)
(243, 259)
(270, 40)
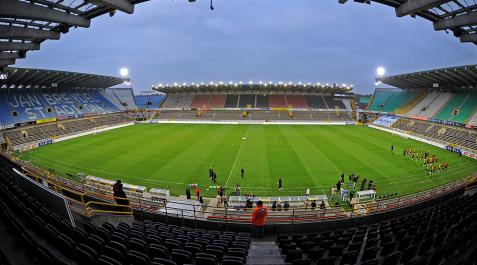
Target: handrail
(296, 215)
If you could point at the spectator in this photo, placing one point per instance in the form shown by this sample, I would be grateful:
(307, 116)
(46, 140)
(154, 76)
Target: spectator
(225, 201)
(322, 205)
(306, 204)
(219, 201)
(197, 192)
(279, 206)
(274, 206)
(313, 205)
(333, 192)
(201, 200)
(259, 217)
(286, 206)
(188, 193)
(119, 194)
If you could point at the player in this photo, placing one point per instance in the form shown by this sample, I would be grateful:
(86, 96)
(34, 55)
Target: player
(392, 148)
(280, 184)
(211, 173)
(242, 172)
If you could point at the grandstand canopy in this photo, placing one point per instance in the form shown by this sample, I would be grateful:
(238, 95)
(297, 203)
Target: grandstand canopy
(24, 25)
(40, 78)
(452, 78)
(255, 88)
(458, 16)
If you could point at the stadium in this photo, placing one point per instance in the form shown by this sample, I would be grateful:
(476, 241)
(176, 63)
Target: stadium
(94, 172)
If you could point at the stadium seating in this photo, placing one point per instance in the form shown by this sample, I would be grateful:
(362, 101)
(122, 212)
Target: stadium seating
(125, 96)
(149, 101)
(262, 101)
(277, 101)
(442, 234)
(21, 107)
(256, 116)
(232, 101)
(316, 102)
(62, 128)
(333, 102)
(200, 101)
(390, 101)
(217, 101)
(448, 134)
(473, 119)
(54, 241)
(247, 100)
(177, 101)
(459, 108)
(297, 101)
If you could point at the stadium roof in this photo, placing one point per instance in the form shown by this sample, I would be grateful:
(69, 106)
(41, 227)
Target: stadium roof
(40, 78)
(452, 78)
(270, 87)
(458, 16)
(24, 25)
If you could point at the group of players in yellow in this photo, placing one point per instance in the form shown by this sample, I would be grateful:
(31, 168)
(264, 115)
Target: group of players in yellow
(430, 163)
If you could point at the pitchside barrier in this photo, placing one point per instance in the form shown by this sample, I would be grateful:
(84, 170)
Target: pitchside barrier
(101, 201)
(253, 122)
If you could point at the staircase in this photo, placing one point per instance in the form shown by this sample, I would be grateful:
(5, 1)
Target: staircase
(264, 253)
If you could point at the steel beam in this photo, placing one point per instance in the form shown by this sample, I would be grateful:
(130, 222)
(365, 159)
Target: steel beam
(18, 46)
(7, 61)
(467, 19)
(469, 38)
(121, 5)
(413, 6)
(12, 32)
(17, 9)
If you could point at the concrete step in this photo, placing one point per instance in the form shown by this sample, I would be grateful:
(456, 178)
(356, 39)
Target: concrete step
(264, 253)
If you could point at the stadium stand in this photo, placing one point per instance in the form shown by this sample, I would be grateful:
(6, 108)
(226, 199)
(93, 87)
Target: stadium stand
(217, 101)
(122, 98)
(390, 101)
(200, 101)
(316, 102)
(177, 101)
(42, 132)
(445, 133)
(232, 101)
(247, 100)
(262, 101)
(334, 103)
(149, 101)
(277, 101)
(434, 105)
(437, 235)
(52, 240)
(296, 101)
(473, 119)
(21, 107)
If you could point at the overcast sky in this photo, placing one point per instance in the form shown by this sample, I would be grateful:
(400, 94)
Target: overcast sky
(167, 41)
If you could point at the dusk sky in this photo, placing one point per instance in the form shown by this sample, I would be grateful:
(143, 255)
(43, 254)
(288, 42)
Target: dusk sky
(168, 41)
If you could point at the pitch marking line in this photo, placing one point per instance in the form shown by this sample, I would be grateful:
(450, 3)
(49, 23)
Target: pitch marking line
(236, 158)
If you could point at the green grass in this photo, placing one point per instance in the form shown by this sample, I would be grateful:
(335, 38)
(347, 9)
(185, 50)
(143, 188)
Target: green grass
(171, 156)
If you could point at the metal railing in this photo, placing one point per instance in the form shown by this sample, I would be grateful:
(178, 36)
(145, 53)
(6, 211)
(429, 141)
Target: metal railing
(88, 203)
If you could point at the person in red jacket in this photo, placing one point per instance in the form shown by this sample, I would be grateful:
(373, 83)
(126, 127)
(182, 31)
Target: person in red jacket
(197, 192)
(259, 216)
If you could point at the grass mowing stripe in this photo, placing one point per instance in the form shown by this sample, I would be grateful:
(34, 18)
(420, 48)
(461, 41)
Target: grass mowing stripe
(171, 156)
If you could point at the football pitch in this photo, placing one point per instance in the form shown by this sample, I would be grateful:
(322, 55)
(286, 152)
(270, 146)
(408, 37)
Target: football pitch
(172, 156)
